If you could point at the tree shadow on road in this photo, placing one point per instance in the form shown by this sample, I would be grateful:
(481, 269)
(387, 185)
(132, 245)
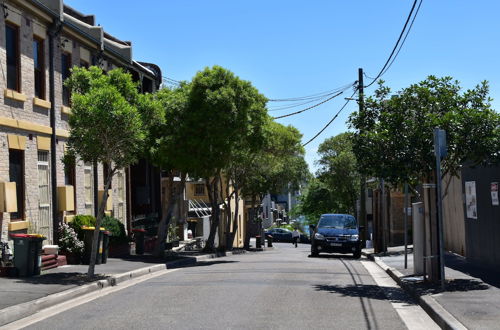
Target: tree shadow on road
(61, 279)
(206, 263)
(334, 256)
(369, 291)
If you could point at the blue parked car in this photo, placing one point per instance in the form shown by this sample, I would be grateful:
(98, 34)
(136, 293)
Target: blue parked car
(336, 233)
(280, 234)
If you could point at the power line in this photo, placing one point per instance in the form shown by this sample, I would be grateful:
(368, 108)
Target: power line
(294, 105)
(312, 96)
(390, 58)
(404, 39)
(309, 108)
(331, 121)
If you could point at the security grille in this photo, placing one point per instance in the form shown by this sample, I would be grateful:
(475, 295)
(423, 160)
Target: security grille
(42, 226)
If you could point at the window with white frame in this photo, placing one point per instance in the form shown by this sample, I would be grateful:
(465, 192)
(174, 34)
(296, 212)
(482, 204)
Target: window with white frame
(43, 224)
(88, 186)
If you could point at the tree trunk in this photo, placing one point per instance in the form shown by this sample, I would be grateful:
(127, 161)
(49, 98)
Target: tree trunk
(247, 233)
(100, 215)
(159, 250)
(227, 209)
(214, 218)
(232, 234)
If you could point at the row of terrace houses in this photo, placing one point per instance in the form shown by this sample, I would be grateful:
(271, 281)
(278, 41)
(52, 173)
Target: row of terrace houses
(40, 40)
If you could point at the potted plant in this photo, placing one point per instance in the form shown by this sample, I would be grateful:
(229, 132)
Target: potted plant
(172, 238)
(119, 243)
(69, 244)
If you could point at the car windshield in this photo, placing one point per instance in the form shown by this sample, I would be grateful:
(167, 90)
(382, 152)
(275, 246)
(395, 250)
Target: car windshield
(337, 221)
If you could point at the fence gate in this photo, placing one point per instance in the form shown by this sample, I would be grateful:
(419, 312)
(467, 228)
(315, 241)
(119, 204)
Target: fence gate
(43, 226)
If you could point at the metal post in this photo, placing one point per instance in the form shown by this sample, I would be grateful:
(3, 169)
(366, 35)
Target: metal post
(438, 144)
(406, 225)
(383, 218)
(362, 197)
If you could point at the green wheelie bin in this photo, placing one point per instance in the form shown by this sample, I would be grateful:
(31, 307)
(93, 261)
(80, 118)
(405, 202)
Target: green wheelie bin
(105, 246)
(88, 238)
(27, 253)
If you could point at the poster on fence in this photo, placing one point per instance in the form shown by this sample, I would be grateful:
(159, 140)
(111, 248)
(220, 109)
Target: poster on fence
(494, 193)
(470, 199)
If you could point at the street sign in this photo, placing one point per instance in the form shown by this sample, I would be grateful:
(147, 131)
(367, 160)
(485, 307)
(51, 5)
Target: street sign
(440, 146)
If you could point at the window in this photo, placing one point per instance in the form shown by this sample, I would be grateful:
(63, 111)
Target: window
(16, 174)
(65, 72)
(39, 66)
(13, 63)
(199, 189)
(43, 224)
(88, 180)
(84, 64)
(147, 85)
(70, 179)
(120, 179)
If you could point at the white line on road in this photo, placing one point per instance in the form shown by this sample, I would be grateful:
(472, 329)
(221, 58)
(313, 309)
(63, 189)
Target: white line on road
(64, 306)
(414, 317)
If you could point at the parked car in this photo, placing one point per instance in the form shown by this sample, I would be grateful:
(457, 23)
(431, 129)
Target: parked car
(280, 234)
(336, 233)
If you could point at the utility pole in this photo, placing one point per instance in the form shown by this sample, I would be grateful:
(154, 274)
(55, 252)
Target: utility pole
(362, 196)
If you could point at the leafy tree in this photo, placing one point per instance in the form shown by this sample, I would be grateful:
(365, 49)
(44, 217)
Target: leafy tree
(243, 159)
(219, 112)
(317, 199)
(394, 135)
(108, 125)
(279, 164)
(338, 170)
(171, 149)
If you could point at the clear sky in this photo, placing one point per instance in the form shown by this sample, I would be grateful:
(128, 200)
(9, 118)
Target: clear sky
(290, 48)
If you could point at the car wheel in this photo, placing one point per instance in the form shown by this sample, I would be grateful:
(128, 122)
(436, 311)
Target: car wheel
(357, 254)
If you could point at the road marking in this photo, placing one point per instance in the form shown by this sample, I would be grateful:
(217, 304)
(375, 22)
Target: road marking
(64, 306)
(414, 317)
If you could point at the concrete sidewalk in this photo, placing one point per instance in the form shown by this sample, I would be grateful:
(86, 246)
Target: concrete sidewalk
(472, 296)
(21, 297)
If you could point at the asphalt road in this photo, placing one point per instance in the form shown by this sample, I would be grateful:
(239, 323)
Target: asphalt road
(281, 288)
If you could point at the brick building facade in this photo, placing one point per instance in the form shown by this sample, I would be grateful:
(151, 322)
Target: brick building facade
(40, 40)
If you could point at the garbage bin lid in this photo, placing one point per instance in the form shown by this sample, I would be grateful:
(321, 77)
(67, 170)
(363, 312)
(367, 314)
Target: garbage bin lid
(106, 232)
(138, 230)
(27, 236)
(88, 228)
(20, 235)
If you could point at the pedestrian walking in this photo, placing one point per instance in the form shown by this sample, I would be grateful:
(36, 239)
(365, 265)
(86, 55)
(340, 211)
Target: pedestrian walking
(295, 237)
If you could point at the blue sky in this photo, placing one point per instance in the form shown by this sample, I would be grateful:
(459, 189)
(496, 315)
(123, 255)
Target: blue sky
(295, 48)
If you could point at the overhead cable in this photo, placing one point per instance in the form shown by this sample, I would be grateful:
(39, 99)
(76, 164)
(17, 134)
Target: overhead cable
(331, 121)
(312, 96)
(396, 46)
(309, 108)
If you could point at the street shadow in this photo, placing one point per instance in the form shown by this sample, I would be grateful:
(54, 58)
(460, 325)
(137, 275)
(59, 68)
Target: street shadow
(335, 256)
(369, 291)
(204, 263)
(485, 274)
(456, 285)
(61, 279)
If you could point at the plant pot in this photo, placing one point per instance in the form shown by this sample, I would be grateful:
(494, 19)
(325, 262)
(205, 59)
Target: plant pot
(119, 250)
(8, 271)
(73, 258)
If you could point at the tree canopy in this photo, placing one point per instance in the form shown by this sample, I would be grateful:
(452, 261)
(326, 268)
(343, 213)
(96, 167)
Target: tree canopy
(394, 135)
(109, 124)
